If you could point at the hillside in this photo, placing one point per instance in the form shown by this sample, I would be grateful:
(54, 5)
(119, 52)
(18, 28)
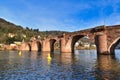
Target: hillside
(10, 32)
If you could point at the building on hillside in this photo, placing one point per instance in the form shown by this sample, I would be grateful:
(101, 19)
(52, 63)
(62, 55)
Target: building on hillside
(86, 45)
(11, 35)
(32, 39)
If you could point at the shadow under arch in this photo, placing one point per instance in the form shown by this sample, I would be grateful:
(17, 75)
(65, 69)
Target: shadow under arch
(74, 40)
(39, 45)
(113, 46)
(29, 46)
(52, 42)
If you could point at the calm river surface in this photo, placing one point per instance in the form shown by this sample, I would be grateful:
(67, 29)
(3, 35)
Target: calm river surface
(83, 65)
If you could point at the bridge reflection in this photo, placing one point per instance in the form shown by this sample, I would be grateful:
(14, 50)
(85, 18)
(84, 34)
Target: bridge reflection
(102, 67)
(47, 56)
(106, 67)
(66, 58)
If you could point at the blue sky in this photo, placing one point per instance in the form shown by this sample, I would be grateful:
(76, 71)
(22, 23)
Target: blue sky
(64, 15)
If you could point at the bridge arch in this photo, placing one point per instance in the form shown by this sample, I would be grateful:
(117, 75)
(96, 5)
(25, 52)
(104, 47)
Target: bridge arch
(74, 40)
(113, 45)
(52, 42)
(36, 46)
(25, 47)
(39, 45)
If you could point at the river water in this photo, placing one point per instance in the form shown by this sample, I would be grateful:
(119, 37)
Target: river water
(82, 65)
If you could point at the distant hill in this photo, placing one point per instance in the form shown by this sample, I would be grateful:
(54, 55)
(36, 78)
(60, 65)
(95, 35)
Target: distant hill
(10, 32)
(6, 26)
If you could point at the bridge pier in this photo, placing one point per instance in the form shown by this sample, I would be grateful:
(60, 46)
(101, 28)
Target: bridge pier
(35, 46)
(46, 46)
(101, 44)
(25, 47)
(65, 46)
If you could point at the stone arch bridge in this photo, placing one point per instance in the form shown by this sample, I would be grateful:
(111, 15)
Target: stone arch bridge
(106, 39)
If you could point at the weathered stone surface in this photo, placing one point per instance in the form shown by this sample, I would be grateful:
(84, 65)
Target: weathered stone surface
(25, 47)
(35, 46)
(101, 43)
(106, 43)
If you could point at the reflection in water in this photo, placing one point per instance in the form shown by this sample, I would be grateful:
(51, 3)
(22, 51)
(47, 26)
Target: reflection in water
(12, 57)
(105, 62)
(66, 58)
(49, 59)
(83, 65)
(47, 56)
(106, 66)
(33, 55)
(20, 53)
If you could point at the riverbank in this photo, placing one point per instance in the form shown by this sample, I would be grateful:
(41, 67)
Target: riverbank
(85, 48)
(9, 47)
